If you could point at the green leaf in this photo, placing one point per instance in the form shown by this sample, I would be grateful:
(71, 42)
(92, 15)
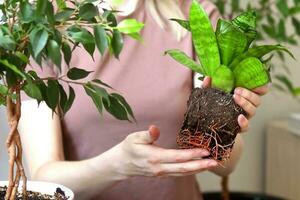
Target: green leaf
(26, 12)
(65, 102)
(116, 108)
(80, 35)
(184, 23)
(12, 67)
(38, 40)
(7, 43)
(117, 43)
(90, 48)
(101, 92)
(100, 38)
(41, 8)
(128, 26)
(124, 103)
(259, 52)
(88, 11)
(296, 91)
(76, 73)
(3, 94)
(94, 96)
(22, 57)
(54, 53)
(136, 36)
(281, 30)
(283, 7)
(52, 94)
(66, 49)
(183, 59)
(64, 15)
(50, 13)
(102, 83)
(110, 17)
(33, 91)
(61, 4)
(296, 25)
(204, 39)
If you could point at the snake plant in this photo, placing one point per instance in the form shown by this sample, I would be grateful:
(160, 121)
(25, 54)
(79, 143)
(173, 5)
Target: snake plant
(226, 54)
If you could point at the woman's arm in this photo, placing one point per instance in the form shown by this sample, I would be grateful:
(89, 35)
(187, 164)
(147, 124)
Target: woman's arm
(42, 143)
(136, 155)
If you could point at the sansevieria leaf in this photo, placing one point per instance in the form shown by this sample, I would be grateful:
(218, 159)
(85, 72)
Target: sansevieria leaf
(251, 73)
(223, 79)
(204, 39)
(231, 41)
(259, 52)
(183, 59)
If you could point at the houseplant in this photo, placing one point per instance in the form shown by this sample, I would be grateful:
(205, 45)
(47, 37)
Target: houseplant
(227, 56)
(38, 30)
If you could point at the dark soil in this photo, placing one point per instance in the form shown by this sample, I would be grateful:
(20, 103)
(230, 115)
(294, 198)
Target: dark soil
(58, 195)
(210, 122)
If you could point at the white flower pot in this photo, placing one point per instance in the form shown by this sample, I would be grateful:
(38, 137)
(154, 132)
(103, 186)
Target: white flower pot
(43, 187)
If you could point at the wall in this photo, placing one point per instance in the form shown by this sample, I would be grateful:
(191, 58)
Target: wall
(3, 153)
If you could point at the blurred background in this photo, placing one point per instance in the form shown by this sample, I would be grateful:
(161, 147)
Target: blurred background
(271, 159)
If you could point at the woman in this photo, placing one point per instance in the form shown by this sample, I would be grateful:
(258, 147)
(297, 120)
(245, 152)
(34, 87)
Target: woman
(109, 159)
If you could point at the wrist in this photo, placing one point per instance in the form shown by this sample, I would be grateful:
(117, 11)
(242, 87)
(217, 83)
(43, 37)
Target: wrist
(109, 164)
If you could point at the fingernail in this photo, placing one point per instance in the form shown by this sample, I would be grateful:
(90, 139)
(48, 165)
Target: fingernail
(206, 153)
(237, 97)
(238, 91)
(212, 164)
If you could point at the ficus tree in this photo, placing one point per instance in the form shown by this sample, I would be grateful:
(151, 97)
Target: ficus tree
(46, 31)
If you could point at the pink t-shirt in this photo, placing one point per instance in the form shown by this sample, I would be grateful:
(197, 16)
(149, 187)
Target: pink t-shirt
(156, 87)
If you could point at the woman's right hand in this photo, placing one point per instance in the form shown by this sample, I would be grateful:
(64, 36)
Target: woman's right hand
(137, 155)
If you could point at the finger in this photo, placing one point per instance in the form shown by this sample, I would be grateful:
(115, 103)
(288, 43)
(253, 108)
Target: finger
(243, 123)
(206, 82)
(187, 167)
(154, 132)
(143, 137)
(246, 105)
(249, 95)
(261, 90)
(176, 155)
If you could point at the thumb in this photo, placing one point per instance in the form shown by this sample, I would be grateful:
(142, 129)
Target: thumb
(146, 137)
(206, 82)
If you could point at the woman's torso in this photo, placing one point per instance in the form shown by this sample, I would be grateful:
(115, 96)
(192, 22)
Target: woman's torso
(156, 87)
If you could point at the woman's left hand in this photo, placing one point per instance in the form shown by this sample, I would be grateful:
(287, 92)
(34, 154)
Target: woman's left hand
(249, 100)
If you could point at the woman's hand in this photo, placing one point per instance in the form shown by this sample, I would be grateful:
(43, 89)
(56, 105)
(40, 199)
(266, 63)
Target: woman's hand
(249, 100)
(139, 156)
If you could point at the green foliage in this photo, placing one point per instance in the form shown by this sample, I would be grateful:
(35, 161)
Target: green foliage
(273, 15)
(38, 30)
(226, 54)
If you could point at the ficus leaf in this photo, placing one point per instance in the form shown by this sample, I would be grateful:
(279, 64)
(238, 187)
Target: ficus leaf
(128, 26)
(77, 73)
(88, 11)
(117, 43)
(100, 38)
(53, 51)
(94, 96)
(38, 40)
(52, 94)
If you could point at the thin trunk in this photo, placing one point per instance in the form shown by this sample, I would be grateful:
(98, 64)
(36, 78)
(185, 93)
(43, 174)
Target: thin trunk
(225, 190)
(14, 146)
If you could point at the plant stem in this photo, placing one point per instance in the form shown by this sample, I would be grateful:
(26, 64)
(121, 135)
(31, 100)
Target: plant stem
(14, 146)
(225, 190)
